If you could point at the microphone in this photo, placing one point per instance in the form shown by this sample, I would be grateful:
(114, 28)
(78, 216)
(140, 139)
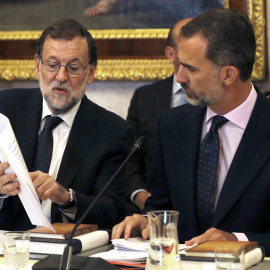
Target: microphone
(67, 254)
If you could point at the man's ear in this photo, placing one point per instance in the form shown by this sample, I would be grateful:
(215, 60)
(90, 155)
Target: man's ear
(37, 65)
(169, 52)
(91, 74)
(228, 75)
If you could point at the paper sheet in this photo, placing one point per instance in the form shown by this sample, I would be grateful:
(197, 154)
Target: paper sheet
(10, 152)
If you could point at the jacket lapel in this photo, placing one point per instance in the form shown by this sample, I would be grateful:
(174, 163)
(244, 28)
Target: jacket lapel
(186, 163)
(80, 139)
(162, 98)
(250, 157)
(26, 127)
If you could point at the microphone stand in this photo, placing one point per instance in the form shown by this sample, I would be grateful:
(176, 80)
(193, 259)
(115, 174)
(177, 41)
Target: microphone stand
(67, 254)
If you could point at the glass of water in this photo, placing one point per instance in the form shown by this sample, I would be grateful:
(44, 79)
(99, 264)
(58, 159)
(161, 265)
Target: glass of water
(163, 250)
(229, 258)
(16, 250)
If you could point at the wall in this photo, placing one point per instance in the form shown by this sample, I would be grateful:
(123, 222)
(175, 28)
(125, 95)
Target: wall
(115, 96)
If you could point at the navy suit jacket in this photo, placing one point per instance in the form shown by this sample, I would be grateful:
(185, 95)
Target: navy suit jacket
(146, 106)
(98, 142)
(244, 202)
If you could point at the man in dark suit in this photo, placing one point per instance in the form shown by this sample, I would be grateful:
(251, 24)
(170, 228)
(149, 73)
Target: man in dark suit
(89, 143)
(146, 106)
(216, 53)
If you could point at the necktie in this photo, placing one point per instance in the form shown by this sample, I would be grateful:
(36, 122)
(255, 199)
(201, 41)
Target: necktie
(179, 98)
(45, 144)
(207, 171)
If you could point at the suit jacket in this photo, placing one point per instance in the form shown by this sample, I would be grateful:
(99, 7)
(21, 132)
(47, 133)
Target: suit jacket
(98, 142)
(146, 106)
(244, 202)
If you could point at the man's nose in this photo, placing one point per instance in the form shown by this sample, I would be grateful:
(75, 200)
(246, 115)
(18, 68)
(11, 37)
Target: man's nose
(181, 76)
(62, 74)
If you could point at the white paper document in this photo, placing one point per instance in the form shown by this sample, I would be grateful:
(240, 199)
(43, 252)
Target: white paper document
(10, 152)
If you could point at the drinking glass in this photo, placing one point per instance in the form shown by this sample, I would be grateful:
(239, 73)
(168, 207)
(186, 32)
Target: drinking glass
(229, 259)
(16, 250)
(163, 251)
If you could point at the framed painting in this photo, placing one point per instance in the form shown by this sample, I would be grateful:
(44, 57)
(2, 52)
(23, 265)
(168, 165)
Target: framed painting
(130, 34)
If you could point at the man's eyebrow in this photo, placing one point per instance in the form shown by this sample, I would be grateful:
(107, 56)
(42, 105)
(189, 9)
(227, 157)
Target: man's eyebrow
(188, 66)
(54, 58)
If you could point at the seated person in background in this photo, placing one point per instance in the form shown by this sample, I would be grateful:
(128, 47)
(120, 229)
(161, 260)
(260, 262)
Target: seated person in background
(147, 103)
(89, 143)
(225, 196)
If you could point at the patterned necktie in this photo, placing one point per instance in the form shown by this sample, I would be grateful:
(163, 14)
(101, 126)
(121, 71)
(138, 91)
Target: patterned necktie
(45, 144)
(207, 171)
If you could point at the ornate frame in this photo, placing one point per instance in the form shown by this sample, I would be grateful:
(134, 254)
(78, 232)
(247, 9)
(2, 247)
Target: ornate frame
(136, 69)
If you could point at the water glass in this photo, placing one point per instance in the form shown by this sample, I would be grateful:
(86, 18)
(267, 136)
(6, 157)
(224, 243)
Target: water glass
(229, 259)
(16, 250)
(163, 251)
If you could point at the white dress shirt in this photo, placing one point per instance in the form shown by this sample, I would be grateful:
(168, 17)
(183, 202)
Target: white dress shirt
(60, 138)
(178, 93)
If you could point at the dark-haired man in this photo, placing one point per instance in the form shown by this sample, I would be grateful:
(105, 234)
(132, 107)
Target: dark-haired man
(89, 143)
(212, 160)
(146, 106)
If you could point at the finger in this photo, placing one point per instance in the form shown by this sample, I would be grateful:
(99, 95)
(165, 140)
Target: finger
(129, 226)
(118, 230)
(3, 167)
(11, 188)
(6, 179)
(146, 233)
(191, 242)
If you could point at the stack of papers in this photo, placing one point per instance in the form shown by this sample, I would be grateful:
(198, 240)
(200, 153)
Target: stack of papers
(131, 250)
(136, 244)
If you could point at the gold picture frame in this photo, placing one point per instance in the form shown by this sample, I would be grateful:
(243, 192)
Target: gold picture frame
(136, 69)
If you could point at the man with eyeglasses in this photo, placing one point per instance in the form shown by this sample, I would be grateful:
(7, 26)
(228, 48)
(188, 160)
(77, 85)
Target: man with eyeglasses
(89, 143)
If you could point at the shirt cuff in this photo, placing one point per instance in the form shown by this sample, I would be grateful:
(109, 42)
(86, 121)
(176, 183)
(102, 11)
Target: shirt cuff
(69, 215)
(134, 193)
(240, 236)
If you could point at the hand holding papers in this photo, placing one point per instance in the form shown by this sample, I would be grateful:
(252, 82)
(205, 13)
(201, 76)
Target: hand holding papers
(10, 152)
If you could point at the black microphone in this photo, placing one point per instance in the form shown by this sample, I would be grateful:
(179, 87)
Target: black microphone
(65, 262)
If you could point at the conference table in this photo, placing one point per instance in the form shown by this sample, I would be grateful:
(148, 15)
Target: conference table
(186, 265)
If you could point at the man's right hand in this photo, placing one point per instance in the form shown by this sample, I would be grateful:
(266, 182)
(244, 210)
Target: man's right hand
(136, 225)
(7, 184)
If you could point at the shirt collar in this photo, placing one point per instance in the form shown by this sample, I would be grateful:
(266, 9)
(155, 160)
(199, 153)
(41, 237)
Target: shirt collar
(67, 117)
(240, 115)
(176, 85)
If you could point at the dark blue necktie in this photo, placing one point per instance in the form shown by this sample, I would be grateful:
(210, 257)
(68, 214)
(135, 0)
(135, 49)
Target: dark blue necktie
(45, 144)
(207, 172)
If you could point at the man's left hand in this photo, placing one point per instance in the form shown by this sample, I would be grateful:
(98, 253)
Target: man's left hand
(211, 234)
(46, 187)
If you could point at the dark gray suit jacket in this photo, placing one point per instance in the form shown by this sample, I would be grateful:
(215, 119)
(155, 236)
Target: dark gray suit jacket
(244, 202)
(98, 142)
(146, 106)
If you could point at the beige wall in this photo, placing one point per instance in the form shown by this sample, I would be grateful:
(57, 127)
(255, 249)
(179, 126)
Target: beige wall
(114, 96)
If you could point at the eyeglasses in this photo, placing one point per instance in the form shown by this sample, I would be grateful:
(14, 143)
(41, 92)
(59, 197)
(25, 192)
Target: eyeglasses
(71, 68)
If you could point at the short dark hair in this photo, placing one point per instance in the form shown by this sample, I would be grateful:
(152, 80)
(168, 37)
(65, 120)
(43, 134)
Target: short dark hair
(68, 29)
(170, 38)
(230, 38)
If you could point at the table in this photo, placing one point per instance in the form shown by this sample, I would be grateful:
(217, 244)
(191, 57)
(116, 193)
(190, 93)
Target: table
(186, 265)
